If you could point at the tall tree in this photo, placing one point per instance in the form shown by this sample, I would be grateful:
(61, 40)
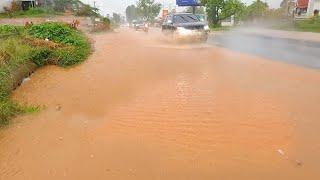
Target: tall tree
(131, 13)
(116, 18)
(219, 10)
(287, 7)
(258, 9)
(148, 9)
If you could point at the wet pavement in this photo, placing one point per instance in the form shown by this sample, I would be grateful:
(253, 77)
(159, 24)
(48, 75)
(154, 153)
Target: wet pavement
(141, 108)
(289, 50)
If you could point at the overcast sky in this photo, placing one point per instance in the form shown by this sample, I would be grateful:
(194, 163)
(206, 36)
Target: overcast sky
(119, 6)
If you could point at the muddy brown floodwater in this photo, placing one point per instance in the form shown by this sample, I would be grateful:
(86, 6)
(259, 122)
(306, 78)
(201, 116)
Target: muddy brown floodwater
(143, 109)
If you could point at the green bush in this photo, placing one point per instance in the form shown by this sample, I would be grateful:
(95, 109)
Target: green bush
(56, 32)
(308, 25)
(19, 54)
(78, 47)
(18, 51)
(8, 109)
(35, 11)
(4, 29)
(70, 55)
(4, 81)
(10, 30)
(312, 25)
(59, 33)
(40, 56)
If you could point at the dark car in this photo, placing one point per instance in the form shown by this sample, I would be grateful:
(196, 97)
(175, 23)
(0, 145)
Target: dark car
(185, 27)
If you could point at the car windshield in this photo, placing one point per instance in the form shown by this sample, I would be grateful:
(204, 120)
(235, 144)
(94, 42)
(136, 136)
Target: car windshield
(201, 17)
(185, 18)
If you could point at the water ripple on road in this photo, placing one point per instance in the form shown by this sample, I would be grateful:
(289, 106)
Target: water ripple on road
(137, 111)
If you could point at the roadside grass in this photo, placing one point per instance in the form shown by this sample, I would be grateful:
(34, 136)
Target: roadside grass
(43, 44)
(308, 25)
(75, 47)
(32, 12)
(13, 53)
(219, 28)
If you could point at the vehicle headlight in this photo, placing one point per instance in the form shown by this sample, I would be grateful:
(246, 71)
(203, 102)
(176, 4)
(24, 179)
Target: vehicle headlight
(183, 31)
(206, 28)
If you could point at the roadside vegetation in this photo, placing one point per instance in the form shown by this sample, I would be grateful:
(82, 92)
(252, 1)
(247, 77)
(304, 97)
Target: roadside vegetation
(307, 25)
(50, 8)
(310, 25)
(25, 48)
(219, 28)
(32, 12)
(144, 9)
(102, 26)
(257, 13)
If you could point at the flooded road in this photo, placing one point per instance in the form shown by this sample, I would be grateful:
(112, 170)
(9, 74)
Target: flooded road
(140, 108)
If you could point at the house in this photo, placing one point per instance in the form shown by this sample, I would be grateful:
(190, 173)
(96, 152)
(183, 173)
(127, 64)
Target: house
(4, 3)
(306, 8)
(25, 4)
(312, 6)
(74, 5)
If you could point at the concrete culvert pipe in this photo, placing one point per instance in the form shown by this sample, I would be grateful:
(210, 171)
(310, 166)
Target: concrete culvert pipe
(20, 73)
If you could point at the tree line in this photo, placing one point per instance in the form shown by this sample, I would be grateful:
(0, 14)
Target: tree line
(216, 10)
(219, 10)
(143, 9)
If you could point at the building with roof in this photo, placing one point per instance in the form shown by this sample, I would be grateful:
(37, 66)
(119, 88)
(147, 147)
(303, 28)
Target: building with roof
(306, 8)
(312, 6)
(3, 4)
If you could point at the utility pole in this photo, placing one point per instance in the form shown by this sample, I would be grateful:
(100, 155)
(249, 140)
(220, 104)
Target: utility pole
(95, 6)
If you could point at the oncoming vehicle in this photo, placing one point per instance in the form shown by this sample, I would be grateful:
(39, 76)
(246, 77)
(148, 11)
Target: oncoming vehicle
(141, 25)
(185, 26)
(202, 17)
